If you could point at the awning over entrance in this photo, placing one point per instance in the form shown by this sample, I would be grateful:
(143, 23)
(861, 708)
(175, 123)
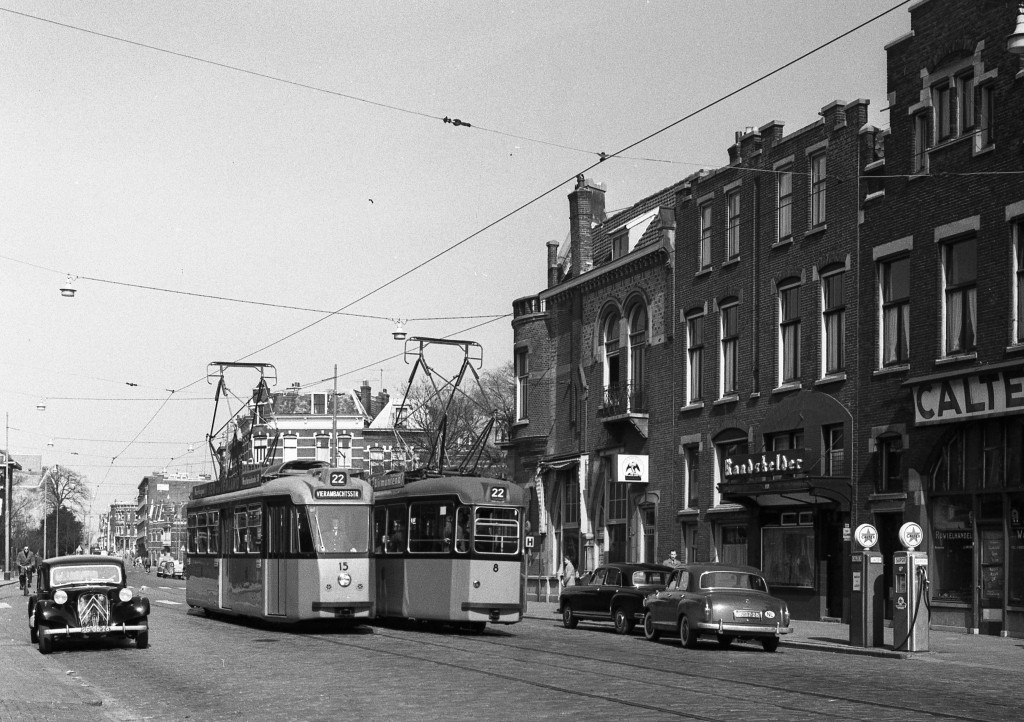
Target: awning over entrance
(813, 490)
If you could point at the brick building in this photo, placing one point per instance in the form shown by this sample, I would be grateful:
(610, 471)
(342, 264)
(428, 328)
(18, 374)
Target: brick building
(767, 313)
(942, 352)
(589, 351)
(159, 514)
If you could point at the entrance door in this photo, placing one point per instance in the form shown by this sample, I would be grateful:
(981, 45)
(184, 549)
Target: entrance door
(277, 549)
(990, 579)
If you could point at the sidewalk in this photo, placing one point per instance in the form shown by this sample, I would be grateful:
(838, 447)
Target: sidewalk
(943, 646)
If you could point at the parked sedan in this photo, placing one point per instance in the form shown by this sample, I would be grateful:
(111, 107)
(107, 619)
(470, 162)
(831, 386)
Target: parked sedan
(727, 601)
(86, 597)
(612, 593)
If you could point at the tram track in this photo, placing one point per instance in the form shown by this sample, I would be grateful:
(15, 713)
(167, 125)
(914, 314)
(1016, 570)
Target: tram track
(708, 687)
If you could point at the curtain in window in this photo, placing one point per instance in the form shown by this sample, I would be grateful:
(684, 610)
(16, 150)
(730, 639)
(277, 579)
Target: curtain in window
(889, 329)
(954, 321)
(790, 352)
(835, 332)
(729, 367)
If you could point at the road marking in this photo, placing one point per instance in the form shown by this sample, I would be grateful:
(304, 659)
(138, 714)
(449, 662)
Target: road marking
(167, 601)
(4, 605)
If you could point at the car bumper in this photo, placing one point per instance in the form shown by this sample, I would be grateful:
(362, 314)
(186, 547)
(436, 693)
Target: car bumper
(112, 629)
(744, 630)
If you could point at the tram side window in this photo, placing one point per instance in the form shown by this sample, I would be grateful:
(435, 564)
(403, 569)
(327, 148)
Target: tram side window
(255, 518)
(497, 531)
(396, 538)
(430, 527)
(462, 529)
(302, 538)
(190, 539)
(198, 535)
(380, 529)
(241, 530)
(213, 532)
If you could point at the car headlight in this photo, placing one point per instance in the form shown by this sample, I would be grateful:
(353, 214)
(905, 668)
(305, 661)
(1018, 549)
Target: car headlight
(344, 580)
(60, 596)
(125, 595)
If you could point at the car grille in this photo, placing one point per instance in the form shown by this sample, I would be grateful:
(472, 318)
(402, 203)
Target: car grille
(93, 610)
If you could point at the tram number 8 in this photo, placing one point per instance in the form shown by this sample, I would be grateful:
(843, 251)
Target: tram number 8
(495, 568)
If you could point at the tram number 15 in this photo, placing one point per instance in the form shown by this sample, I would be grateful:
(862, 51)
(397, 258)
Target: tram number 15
(499, 493)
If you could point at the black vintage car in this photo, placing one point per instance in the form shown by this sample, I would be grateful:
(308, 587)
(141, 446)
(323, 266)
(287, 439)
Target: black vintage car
(85, 597)
(612, 593)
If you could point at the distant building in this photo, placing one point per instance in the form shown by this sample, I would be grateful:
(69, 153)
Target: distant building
(120, 527)
(159, 514)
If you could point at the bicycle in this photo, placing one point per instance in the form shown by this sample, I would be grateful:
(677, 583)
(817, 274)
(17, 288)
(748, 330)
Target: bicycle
(25, 578)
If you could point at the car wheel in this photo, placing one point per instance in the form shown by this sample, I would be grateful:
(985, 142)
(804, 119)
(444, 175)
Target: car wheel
(45, 643)
(686, 635)
(725, 641)
(770, 644)
(142, 638)
(623, 622)
(650, 631)
(569, 620)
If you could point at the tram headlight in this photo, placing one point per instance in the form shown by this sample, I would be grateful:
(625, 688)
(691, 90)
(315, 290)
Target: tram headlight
(60, 596)
(344, 580)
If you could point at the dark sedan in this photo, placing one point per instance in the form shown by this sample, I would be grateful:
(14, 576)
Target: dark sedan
(86, 597)
(612, 593)
(726, 601)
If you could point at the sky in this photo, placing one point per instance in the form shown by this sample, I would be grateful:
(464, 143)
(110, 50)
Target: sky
(217, 177)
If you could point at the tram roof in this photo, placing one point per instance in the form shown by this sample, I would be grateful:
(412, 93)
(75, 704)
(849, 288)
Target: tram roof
(469, 489)
(299, 485)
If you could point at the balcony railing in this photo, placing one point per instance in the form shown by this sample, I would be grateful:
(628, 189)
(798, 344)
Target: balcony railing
(621, 399)
(528, 305)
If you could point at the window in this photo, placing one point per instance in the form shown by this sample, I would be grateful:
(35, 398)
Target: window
(319, 404)
(618, 512)
(694, 357)
(323, 447)
(732, 442)
(919, 160)
(890, 453)
(818, 179)
(942, 104)
(291, 448)
(620, 244)
(259, 449)
(692, 459)
(1018, 281)
(248, 529)
(833, 314)
(835, 453)
(987, 117)
(431, 527)
(960, 276)
(571, 499)
(787, 555)
(894, 279)
(789, 334)
(730, 349)
(785, 202)
(732, 246)
(612, 379)
(734, 548)
(704, 260)
(637, 348)
(522, 383)
(965, 103)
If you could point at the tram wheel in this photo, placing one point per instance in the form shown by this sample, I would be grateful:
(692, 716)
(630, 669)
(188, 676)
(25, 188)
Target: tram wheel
(569, 620)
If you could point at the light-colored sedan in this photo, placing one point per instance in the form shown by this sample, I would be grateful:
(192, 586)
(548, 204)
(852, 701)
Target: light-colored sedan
(726, 601)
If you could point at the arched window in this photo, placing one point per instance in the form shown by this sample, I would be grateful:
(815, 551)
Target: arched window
(612, 370)
(637, 362)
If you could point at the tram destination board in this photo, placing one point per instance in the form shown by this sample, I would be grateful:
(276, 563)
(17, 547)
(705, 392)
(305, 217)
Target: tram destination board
(337, 493)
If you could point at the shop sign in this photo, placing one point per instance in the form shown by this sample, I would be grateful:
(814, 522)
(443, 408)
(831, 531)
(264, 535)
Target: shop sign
(994, 393)
(632, 468)
(790, 461)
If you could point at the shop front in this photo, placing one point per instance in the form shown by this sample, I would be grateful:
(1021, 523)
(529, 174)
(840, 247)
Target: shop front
(969, 433)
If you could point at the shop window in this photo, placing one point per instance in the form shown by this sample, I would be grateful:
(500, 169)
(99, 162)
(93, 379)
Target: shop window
(1015, 552)
(960, 280)
(734, 544)
(952, 563)
(787, 555)
(890, 455)
(894, 282)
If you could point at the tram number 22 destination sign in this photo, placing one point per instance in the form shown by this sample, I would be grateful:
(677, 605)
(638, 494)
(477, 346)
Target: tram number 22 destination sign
(337, 493)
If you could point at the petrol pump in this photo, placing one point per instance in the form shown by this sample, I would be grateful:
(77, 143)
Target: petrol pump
(910, 614)
(866, 600)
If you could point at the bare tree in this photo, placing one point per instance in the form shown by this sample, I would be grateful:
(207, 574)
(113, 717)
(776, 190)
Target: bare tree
(66, 494)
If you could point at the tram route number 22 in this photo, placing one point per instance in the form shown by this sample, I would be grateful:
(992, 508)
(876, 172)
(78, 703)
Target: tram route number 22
(499, 493)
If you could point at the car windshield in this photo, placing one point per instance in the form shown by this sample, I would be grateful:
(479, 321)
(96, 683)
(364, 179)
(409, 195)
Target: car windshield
(85, 574)
(641, 578)
(732, 580)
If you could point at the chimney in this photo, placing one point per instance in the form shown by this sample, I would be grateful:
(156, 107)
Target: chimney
(552, 264)
(365, 399)
(586, 208)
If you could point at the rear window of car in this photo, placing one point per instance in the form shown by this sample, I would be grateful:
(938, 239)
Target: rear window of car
(85, 574)
(732, 580)
(641, 577)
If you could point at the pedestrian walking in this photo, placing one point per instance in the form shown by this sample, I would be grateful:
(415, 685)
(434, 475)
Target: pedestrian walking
(567, 574)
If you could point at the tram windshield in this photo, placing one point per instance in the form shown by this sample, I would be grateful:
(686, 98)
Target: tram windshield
(496, 530)
(339, 528)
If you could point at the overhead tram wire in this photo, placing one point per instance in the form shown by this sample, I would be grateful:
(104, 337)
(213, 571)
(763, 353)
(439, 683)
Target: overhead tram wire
(545, 193)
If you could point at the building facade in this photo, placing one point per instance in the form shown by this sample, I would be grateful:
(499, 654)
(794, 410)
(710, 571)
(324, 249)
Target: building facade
(159, 514)
(120, 528)
(942, 352)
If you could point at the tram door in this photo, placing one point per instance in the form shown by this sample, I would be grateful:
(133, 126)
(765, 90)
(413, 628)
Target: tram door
(277, 550)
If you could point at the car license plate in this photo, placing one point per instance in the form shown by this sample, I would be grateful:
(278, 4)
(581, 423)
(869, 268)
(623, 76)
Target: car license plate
(95, 629)
(746, 614)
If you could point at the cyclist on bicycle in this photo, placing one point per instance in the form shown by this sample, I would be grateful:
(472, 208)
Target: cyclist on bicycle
(26, 563)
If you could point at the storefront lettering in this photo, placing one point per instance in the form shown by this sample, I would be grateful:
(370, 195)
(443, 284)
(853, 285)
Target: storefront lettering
(751, 465)
(954, 399)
